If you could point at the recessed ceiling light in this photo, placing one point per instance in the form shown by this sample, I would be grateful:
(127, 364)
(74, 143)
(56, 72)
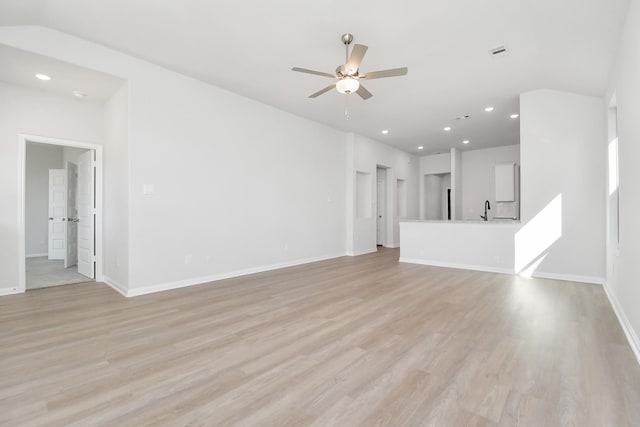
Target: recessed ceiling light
(43, 77)
(385, 131)
(466, 141)
(79, 94)
(420, 147)
(447, 129)
(488, 109)
(514, 116)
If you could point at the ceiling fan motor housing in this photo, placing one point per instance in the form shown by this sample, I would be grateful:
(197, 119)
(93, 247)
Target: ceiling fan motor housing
(342, 71)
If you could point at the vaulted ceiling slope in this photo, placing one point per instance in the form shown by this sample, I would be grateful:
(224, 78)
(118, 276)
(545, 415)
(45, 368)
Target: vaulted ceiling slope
(250, 47)
(18, 68)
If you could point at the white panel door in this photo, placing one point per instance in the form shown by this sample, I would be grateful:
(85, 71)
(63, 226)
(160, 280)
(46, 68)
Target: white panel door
(57, 214)
(71, 255)
(380, 220)
(86, 218)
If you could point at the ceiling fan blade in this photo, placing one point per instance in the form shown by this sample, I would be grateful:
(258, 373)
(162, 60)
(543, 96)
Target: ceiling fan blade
(318, 73)
(356, 58)
(386, 73)
(364, 93)
(320, 92)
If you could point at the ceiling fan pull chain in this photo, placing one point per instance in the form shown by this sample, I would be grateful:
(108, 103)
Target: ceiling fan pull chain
(346, 107)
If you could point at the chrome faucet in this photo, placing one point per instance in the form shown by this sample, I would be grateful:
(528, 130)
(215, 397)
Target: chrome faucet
(487, 205)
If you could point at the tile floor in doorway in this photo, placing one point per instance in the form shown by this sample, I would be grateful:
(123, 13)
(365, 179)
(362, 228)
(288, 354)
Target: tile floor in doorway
(42, 273)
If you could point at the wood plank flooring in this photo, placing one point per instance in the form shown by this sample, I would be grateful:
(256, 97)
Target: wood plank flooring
(361, 341)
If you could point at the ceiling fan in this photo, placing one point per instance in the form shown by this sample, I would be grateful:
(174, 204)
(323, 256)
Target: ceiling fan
(348, 75)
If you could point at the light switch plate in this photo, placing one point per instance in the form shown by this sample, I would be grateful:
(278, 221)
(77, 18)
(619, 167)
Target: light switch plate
(147, 188)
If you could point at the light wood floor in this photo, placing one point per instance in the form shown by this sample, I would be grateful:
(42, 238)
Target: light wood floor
(361, 341)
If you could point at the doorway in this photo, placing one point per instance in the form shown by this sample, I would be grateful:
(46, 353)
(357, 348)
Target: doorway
(384, 210)
(437, 196)
(60, 230)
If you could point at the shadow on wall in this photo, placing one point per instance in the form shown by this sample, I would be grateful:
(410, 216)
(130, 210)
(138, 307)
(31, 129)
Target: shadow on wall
(533, 241)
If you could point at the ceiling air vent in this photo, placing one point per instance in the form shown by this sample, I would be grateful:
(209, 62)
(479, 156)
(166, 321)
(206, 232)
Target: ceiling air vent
(498, 50)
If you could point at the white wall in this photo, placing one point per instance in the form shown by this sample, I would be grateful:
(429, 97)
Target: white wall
(366, 155)
(238, 186)
(39, 159)
(36, 113)
(623, 268)
(71, 154)
(478, 178)
(116, 190)
(435, 163)
(563, 162)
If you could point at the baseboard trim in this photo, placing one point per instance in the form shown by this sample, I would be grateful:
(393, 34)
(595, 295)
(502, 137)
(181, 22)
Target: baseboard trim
(364, 252)
(215, 277)
(36, 255)
(115, 285)
(568, 277)
(458, 266)
(9, 291)
(631, 335)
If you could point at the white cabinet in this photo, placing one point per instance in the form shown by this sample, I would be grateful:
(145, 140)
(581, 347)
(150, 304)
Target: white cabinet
(506, 182)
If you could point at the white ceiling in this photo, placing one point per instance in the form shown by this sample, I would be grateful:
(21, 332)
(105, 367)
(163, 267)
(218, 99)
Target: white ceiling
(250, 47)
(20, 67)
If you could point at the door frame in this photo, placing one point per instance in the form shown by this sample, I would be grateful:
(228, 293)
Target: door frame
(389, 205)
(22, 158)
(381, 225)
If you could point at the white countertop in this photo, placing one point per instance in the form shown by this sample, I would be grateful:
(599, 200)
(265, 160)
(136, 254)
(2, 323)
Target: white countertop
(498, 222)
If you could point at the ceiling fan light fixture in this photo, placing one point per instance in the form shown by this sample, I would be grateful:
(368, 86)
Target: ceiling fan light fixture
(347, 85)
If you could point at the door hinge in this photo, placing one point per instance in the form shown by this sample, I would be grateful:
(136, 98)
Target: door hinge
(94, 163)
(93, 258)
(94, 211)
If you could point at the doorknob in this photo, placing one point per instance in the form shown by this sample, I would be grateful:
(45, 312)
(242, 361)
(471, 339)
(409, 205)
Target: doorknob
(73, 219)
(50, 219)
